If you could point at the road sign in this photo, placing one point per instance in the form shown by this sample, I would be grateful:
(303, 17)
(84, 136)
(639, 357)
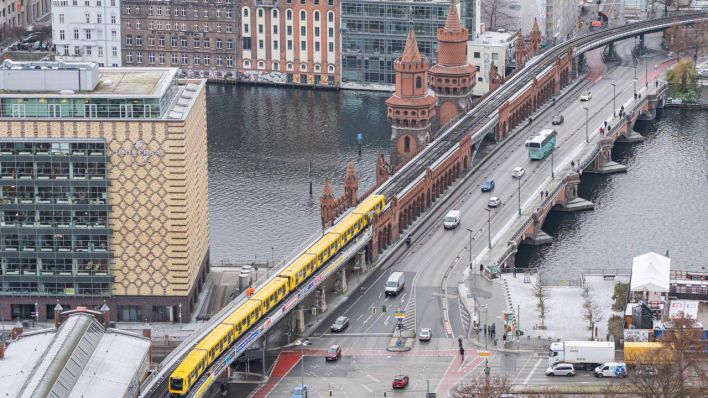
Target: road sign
(484, 353)
(399, 313)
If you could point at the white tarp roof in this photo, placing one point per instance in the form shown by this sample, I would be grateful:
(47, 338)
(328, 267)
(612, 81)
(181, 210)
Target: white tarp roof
(650, 272)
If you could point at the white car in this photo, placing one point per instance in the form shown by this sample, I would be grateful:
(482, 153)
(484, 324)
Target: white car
(425, 334)
(494, 201)
(561, 369)
(586, 96)
(518, 172)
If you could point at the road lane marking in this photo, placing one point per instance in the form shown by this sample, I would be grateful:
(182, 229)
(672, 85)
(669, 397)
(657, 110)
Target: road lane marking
(360, 316)
(526, 380)
(367, 388)
(373, 378)
(367, 319)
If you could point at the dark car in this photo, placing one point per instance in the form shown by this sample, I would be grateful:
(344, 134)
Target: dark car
(488, 185)
(333, 353)
(400, 381)
(557, 119)
(340, 324)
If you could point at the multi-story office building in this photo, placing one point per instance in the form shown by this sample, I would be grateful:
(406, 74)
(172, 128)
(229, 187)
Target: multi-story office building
(561, 20)
(22, 13)
(471, 17)
(87, 30)
(198, 37)
(103, 190)
(374, 35)
(289, 41)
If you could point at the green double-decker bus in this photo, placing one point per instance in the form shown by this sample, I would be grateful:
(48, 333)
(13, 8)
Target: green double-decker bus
(540, 145)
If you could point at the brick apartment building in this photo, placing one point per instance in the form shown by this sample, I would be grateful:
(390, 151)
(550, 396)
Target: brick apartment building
(199, 38)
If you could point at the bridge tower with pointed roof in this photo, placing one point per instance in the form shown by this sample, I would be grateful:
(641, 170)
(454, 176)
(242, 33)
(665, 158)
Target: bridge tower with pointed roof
(453, 77)
(411, 108)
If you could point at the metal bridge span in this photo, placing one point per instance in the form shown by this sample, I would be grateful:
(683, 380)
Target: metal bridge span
(479, 122)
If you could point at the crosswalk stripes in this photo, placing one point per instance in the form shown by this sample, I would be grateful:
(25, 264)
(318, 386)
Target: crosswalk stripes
(466, 319)
(410, 322)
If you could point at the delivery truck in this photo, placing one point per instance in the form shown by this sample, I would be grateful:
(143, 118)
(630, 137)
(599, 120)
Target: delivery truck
(644, 353)
(582, 354)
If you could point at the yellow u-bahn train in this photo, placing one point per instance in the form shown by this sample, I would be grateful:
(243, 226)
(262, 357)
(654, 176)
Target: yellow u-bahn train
(268, 296)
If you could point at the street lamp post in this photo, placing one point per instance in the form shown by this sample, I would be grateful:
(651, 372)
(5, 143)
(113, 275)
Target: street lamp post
(587, 136)
(489, 226)
(646, 70)
(486, 339)
(474, 278)
(553, 173)
(614, 98)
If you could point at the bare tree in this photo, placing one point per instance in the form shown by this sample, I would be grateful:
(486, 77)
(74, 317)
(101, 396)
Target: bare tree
(18, 32)
(497, 14)
(541, 293)
(591, 311)
(677, 370)
(45, 34)
(483, 387)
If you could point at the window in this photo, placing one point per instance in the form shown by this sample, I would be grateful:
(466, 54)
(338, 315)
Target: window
(185, 59)
(114, 35)
(260, 28)
(228, 13)
(303, 15)
(275, 29)
(218, 27)
(289, 15)
(173, 41)
(137, 24)
(196, 43)
(219, 60)
(100, 51)
(138, 40)
(260, 13)
(87, 16)
(246, 43)
(476, 54)
(99, 18)
(229, 44)
(62, 35)
(418, 83)
(196, 60)
(330, 47)
(61, 18)
(87, 34)
(184, 42)
(206, 27)
(303, 67)
(245, 12)
(317, 16)
(130, 313)
(151, 41)
(207, 59)
(139, 58)
(495, 56)
(151, 58)
(245, 28)
(289, 30)
(303, 45)
(317, 46)
(330, 32)
(113, 18)
(161, 41)
(207, 42)
(159, 10)
(174, 59)
(129, 58)
(290, 44)
(317, 31)
(260, 44)
(88, 50)
(228, 28)
(276, 66)
(303, 31)
(229, 61)
(76, 34)
(275, 44)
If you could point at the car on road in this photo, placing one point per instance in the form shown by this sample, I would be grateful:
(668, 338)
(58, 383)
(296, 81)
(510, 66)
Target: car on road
(518, 172)
(425, 334)
(561, 369)
(557, 119)
(488, 185)
(646, 371)
(586, 96)
(494, 201)
(333, 353)
(611, 369)
(340, 324)
(300, 391)
(400, 381)
(452, 219)
(703, 73)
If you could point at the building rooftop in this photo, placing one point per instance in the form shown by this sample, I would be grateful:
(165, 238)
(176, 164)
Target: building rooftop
(78, 90)
(494, 38)
(79, 359)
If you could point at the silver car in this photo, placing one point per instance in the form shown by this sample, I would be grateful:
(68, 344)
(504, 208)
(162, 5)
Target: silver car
(425, 334)
(561, 369)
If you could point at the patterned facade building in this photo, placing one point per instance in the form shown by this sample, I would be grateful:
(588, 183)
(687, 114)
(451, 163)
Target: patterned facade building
(23, 12)
(103, 191)
(411, 108)
(289, 42)
(452, 77)
(198, 37)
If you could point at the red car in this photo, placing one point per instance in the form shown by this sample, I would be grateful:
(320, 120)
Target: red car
(333, 353)
(400, 381)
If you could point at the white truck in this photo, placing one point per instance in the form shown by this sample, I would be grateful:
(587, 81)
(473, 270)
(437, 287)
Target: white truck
(582, 354)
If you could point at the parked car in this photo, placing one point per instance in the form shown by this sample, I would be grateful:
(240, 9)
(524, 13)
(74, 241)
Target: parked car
(488, 185)
(703, 73)
(452, 219)
(647, 371)
(518, 172)
(587, 96)
(494, 201)
(333, 353)
(340, 324)
(561, 369)
(557, 119)
(611, 369)
(300, 391)
(425, 334)
(400, 381)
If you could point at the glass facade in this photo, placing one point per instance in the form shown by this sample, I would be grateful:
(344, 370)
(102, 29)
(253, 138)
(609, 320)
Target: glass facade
(76, 106)
(54, 231)
(374, 35)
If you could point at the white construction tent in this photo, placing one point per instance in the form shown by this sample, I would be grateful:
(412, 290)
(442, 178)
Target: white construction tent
(650, 273)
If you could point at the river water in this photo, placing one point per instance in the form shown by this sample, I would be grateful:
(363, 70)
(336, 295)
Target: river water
(262, 139)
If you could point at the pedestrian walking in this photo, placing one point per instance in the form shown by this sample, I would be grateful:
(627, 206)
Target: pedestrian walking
(504, 337)
(485, 329)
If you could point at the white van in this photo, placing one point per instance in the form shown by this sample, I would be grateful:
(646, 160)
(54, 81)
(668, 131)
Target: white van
(395, 283)
(452, 219)
(611, 369)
